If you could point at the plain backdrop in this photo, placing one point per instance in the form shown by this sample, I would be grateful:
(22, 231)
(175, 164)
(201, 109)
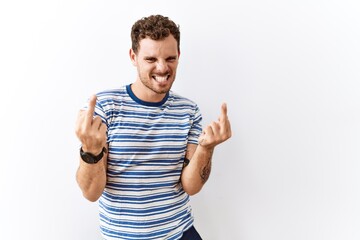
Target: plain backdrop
(289, 71)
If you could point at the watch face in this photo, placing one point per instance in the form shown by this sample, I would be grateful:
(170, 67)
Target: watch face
(90, 158)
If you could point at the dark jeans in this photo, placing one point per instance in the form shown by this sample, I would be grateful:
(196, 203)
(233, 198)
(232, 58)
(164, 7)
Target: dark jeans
(191, 234)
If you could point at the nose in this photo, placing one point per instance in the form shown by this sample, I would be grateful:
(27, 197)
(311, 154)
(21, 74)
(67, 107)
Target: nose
(162, 67)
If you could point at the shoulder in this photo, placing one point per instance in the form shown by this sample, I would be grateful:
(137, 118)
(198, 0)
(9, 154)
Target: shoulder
(111, 93)
(111, 96)
(181, 101)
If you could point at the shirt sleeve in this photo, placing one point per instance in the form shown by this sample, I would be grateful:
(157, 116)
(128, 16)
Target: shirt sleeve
(196, 127)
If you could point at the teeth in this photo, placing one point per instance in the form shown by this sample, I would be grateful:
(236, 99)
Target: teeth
(161, 79)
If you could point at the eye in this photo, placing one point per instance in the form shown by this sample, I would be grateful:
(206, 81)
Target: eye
(150, 59)
(171, 59)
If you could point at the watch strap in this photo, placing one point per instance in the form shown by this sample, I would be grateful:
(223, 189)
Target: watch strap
(91, 158)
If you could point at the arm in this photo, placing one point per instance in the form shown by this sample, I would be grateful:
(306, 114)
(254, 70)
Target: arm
(91, 131)
(91, 178)
(197, 172)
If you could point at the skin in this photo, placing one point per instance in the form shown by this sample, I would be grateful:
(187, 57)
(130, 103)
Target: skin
(91, 132)
(156, 63)
(197, 172)
(154, 60)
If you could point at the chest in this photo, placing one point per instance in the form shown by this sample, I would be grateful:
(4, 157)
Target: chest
(148, 139)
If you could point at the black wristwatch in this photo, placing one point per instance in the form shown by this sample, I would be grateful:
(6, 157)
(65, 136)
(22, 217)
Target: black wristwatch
(91, 158)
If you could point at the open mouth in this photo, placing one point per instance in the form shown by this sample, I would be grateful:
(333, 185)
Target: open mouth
(161, 79)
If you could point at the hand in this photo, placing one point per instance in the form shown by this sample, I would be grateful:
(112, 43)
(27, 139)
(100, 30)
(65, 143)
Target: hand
(216, 132)
(90, 130)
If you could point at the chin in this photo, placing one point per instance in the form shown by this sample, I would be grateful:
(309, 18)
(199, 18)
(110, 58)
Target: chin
(161, 90)
(157, 87)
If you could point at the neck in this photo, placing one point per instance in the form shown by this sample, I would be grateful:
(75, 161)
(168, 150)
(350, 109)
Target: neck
(145, 94)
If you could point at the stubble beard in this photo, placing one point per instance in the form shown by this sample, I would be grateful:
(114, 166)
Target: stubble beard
(146, 81)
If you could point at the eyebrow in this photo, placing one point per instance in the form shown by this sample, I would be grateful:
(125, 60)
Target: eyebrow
(151, 58)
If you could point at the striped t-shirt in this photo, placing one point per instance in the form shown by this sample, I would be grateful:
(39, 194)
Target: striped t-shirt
(143, 198)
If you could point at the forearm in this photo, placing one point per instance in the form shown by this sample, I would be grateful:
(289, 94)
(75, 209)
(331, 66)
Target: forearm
(91, 179)
(195, 175)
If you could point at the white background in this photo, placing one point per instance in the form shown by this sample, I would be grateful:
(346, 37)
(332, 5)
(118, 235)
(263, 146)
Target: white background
(289, 71)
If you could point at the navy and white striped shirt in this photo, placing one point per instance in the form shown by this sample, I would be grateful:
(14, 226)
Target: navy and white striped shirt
(143, 198)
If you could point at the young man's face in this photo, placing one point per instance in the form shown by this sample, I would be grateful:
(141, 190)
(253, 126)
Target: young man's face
(156, 63)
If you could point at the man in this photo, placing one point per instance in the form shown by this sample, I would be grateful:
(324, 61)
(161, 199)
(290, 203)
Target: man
(143, 148)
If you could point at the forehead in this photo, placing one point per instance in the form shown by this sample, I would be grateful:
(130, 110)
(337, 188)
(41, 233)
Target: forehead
(166, 46)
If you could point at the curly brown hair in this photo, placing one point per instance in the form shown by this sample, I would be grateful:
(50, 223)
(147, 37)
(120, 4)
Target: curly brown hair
(157, 27)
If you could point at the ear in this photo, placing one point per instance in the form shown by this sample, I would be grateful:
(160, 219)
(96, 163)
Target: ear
(133, 57)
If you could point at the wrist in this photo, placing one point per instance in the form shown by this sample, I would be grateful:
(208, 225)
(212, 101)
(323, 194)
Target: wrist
(91, 158)
(93, 150)
(205, 149)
